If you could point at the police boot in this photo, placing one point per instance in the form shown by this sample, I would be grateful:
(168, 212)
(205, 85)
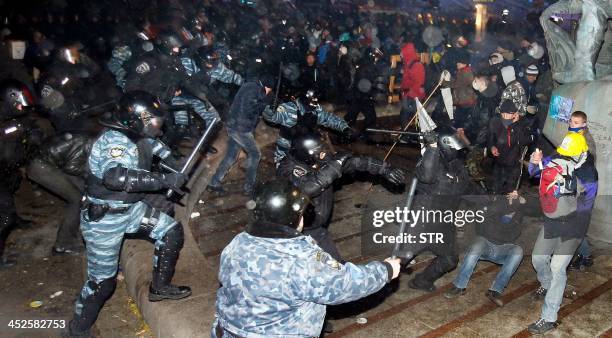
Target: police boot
(167, 256)
(88, 307)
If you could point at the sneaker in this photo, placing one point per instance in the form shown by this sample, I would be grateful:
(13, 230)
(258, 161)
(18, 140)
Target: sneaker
(427, 288)
(66, 250)
(539, 293)
(454, 292)
(541, 326)
(6, 263)
(217, 190)
(495, 297)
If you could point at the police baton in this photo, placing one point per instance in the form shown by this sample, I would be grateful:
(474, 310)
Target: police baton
(278, 85)
(409, 199)
(394, 132)
(193, 156)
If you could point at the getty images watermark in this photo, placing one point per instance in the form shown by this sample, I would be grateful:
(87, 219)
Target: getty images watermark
(423, 218)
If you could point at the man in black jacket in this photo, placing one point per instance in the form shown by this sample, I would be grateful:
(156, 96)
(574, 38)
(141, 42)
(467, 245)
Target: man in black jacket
(60, 167)
(242, 119)
(313, 169)
(508, 137)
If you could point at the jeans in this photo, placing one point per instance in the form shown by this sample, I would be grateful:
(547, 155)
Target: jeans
(551, 272)
(235, 142)
(508, 255)
(584, 249)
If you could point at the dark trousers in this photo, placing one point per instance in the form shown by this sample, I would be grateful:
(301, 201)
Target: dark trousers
(504, 178)
(364, 106)
(9, 183)
(446, 258)
(67, 187)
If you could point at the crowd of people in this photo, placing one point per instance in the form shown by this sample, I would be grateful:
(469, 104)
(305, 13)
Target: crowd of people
(122, 84)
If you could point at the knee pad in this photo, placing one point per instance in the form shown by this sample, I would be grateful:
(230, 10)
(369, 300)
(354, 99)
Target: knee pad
(103, 289)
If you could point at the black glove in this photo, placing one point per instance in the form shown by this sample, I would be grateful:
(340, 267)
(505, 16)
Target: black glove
(430, 138)
(174, 181)
(342, 157)
(393, 175)
(348, 133)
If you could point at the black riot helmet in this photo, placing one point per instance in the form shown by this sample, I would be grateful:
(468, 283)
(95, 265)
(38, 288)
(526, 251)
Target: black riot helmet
(14, 97)
(141, 113)
(169, 42)
(279, 202)
(449, 143)
(308, 146)
(207, 57)
(309, 99)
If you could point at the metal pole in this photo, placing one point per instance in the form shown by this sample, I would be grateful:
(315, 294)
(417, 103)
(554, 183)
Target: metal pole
(187, 166)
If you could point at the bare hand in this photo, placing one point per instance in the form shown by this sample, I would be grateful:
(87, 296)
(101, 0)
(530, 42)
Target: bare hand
(536, 157)
(512, 196)
(495, 151)
(395, 264)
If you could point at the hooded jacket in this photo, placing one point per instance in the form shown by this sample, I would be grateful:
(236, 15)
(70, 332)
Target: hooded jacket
(413, 80)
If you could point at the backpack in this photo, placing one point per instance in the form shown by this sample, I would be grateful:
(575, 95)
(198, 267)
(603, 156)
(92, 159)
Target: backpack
(558, 199)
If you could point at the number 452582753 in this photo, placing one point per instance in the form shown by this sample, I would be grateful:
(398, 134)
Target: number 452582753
(37, 324)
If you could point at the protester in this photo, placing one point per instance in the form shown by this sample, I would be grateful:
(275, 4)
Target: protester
(568, 187)
(243, 117)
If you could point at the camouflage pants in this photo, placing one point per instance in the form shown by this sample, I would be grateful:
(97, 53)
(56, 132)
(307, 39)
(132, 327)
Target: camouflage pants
(103, 239)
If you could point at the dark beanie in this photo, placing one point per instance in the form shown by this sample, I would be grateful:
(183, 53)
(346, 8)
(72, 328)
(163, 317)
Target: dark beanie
(508, 107)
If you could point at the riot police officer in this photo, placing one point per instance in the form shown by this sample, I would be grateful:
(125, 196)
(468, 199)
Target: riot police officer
(71, 92)
(162, 74)
(362, 94)
(19, 136)
(442, 181)
(119, 174)
(287, 295)
(313, 169)
(303, 111)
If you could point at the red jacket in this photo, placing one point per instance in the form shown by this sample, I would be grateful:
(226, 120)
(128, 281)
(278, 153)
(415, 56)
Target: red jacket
(413, 80)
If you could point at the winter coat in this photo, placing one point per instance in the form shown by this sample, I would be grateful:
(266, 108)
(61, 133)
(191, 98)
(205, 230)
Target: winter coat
(413, 79)
(509, 141)
(463, 93)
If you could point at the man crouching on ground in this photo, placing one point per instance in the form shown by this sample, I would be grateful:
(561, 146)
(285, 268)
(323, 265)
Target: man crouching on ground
(276, 281)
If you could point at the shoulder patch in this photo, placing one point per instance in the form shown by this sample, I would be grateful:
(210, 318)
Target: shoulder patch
(143, 68)
(299, 171)
(325, 258)
(116, 152)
